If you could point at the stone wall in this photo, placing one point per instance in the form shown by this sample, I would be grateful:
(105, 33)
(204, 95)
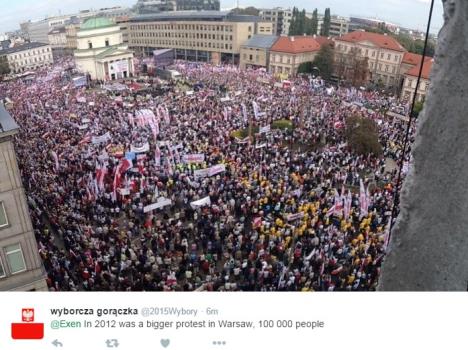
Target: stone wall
(429, 246)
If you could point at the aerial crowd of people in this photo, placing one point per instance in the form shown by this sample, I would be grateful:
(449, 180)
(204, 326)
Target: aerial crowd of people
(145, 186)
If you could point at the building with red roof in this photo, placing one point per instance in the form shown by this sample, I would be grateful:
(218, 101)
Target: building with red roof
(383, 53)
(289, 52)
(411, 78)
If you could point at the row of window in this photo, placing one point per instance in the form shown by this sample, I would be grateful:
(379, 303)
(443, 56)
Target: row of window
(181, 35)
(13, 253)
(29, 53)
(423, 86)
(167, 43)
(32, 61)
(197, 27)
(250, 57)
(368, 53)
(280, 70)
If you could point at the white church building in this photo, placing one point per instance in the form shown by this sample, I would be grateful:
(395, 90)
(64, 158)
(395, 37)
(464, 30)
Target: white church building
(100, 50)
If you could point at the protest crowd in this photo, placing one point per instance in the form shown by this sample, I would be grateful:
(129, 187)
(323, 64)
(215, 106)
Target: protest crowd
(152, 192)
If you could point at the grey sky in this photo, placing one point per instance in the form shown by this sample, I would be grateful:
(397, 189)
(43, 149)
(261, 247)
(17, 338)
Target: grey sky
(409, 13)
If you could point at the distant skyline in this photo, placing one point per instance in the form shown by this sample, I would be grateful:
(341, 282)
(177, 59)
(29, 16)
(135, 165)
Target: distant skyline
(407, 13)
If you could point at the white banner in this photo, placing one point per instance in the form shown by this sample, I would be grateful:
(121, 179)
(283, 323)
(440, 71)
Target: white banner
(162, 202)
(200, 203)
(193, 158)
(214, 170)
(101, 139)
(200, 173)
(142, 149)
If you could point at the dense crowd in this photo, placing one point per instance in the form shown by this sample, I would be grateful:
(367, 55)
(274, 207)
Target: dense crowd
(152, 191)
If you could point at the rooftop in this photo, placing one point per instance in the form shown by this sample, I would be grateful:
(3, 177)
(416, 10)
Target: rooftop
(215, 16)
(380, 40)
(413, 58)
(261, 41)
(22, 47)
(296, 44)
(426, 71)
(97, 23)
(8, 125)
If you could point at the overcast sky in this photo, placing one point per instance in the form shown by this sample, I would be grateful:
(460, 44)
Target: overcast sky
(408, 13)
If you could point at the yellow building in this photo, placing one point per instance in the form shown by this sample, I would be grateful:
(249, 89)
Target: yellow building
(209, 36)
(100, 50)
(411, 78)
(255, 52)
(383, 53)
(288, 53)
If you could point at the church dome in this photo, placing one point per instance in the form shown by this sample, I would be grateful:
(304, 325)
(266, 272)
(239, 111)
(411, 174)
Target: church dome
(97, 23)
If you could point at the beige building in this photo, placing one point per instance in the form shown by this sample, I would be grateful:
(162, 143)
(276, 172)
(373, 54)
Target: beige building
(209, 36)
(58, 38)
(21, 268)
(280, 19)
(28, 56)
(383, 53)
(411, 78)
(71, 35)
(288, 53)
(255, 52)
(100, 50)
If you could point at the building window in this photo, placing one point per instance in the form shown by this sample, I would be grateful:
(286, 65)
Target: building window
(15, 258)
(3, 216)
(389, 57)
(107, 42)
(2, 270)
(90, 45)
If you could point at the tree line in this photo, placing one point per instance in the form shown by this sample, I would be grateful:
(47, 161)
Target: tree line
(301, 24)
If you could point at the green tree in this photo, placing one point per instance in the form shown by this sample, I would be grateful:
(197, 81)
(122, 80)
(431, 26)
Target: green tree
(326, 23)
(418, 107)
(362, 135)
(293, 23)
(305, 67)
(302, 19)
(314, 23)
(4, 67)
(324, 61)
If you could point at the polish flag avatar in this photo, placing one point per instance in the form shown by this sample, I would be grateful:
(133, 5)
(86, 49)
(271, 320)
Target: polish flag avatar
(27, 329)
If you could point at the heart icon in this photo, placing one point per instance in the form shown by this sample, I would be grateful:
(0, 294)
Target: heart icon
(165, 342)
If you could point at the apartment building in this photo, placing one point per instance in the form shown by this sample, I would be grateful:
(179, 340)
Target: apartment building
(58, 38)
(279, 17)
(255, 52)
(20, 265)
(288, 53)
(410, 80)
(338, 26)
(384, 55)
(156, 6)
(28, 56)
(209, 36)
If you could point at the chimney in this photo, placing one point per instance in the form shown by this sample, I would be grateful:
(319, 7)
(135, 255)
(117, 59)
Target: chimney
(292, 38)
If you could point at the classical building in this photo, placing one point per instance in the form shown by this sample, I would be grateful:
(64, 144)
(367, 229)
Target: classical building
(100, 50)
(288, 53)
(383, 54)
(411, 78)
(29, 56)
(209, 36)
(20, 265)
(279, 17)
(255, 52)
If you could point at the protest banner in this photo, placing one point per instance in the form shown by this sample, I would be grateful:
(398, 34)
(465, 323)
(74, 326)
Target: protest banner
(193, 158)
(200, 203)
(162, 202)
(142, 149)
(101, 139)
